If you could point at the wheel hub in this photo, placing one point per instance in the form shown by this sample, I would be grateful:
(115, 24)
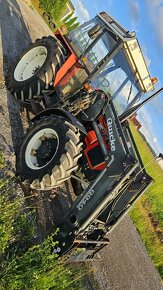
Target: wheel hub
(46, 151)
(41, 148)
(30, 63)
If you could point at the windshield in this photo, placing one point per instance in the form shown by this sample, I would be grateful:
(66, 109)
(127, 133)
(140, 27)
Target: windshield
(115, 77)
(118, 80)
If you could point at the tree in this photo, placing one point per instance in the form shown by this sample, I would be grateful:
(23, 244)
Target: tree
(72, 27)
(71, 22)
(68, 17)
(55, 8)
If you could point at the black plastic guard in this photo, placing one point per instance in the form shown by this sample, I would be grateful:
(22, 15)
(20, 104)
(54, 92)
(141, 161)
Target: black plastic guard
(63, 113)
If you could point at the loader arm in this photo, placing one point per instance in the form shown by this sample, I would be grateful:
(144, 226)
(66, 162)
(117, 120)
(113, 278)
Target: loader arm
(112, 193)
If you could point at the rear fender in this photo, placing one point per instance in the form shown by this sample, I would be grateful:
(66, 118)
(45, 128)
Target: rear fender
(63, 113)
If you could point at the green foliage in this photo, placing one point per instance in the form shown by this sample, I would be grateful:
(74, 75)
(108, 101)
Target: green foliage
(16, 227)
(37, 268)
(8, 214)
(154, 193)
(147, 214)
(55, 8)
(7, 211)
(68, 17)
(23, 263)
(73, 26)
(149, 236)
(71, 21)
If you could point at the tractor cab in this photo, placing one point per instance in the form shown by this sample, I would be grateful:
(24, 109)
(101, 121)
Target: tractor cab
(107, 57)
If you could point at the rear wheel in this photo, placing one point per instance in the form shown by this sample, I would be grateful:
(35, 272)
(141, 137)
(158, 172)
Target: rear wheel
(49, 153)
(36, 68)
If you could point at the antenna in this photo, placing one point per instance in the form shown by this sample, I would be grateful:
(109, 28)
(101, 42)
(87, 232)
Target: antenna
(154, 158)
(134, 109)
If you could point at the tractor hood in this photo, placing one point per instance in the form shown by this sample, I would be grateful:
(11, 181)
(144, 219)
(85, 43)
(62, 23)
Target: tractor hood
(137, 64)
(132, 51)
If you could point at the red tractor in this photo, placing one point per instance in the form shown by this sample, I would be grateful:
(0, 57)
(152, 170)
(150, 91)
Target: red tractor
(82, 88)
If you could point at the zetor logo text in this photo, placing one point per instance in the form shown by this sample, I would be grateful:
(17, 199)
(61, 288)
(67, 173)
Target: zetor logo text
(111, 135)
(83, 202)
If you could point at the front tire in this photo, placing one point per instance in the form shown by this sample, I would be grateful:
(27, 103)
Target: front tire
(36, 68)
(48, 153)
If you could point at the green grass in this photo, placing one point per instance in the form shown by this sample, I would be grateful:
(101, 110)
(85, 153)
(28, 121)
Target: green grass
(23, 263)
(147, 214)
(41, 11)
(36, 5)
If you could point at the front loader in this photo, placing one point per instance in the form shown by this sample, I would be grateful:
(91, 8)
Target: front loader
(82, 88)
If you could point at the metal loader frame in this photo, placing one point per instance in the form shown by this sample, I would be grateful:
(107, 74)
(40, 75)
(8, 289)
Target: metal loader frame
(98, 209)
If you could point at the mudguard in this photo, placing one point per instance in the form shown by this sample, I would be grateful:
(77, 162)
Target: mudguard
(63, 113)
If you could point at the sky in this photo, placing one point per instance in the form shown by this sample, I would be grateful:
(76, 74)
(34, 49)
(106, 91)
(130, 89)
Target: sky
(145, 17)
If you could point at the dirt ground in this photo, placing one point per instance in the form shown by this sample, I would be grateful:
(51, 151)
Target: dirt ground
(124, 264)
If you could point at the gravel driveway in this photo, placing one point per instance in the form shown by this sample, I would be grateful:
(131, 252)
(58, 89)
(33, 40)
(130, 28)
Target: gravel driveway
(124, 264)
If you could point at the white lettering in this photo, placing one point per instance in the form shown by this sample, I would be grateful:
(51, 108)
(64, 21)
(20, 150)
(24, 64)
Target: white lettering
(111, 135)
(83, 202)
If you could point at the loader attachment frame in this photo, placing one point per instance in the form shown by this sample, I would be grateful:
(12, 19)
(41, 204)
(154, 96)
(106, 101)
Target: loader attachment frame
(97, 210)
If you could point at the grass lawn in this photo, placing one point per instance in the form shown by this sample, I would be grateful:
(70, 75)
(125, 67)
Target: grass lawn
(25, 264)
(41, 11)
(147, 214)
(37, 7)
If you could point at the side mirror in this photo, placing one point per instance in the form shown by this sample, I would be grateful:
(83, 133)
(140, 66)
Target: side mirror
(95, 31)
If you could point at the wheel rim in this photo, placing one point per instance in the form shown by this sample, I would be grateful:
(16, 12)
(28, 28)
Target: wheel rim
(41, 149)
(52, 25)
(30, 63)
(46, 16)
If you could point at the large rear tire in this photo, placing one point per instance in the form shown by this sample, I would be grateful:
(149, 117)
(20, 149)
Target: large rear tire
(36, 68)
(49, 153)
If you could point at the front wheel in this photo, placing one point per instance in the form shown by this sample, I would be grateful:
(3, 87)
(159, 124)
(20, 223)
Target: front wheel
(49, 153)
